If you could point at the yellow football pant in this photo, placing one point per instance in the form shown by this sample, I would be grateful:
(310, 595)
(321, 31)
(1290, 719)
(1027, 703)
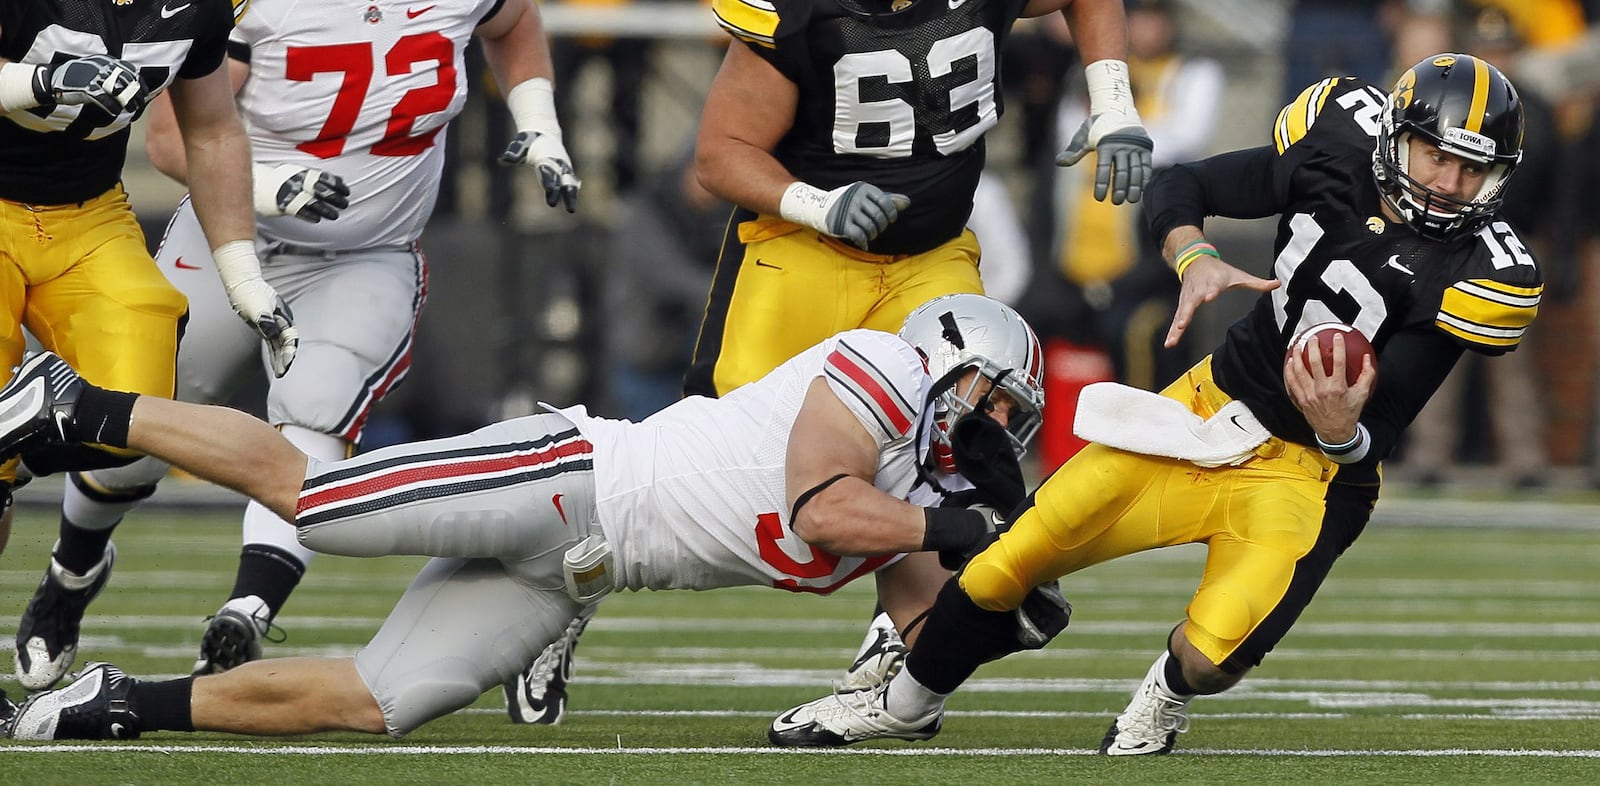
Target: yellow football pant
(79, 277)
(796, 287)
(1258, 520)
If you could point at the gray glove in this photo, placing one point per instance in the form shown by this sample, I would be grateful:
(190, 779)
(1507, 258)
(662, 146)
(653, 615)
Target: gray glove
(111, 84)
(861, 211)
(546, 153)
(1122, 155)
(292, 190)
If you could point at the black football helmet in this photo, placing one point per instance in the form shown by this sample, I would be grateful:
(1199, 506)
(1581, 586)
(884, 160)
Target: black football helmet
(1466, 107)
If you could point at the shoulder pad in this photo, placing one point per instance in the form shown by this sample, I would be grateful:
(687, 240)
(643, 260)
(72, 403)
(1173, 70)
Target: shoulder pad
(1488, 315)
(1356, 103)
(880, 378)
(751, 21)
(1496, 296)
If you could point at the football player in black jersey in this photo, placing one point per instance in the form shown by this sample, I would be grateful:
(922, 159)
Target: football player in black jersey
(1389, 222)
(850, 133)
(74, 269)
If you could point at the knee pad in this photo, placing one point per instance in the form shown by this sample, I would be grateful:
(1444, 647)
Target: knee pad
(991, 586)
(132, 483)
(413, 681)
(1218, 621)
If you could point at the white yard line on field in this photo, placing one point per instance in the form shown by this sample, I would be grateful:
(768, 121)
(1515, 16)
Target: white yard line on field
(513, 750)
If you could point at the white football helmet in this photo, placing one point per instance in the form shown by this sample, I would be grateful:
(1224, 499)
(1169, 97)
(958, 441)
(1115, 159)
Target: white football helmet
(955, 333)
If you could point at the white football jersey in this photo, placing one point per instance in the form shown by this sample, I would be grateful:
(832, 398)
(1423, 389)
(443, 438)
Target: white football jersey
(694, 496)
(363, 91)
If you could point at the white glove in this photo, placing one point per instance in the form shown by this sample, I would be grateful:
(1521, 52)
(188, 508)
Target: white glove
(857, 212)
(538, 142)
(257, 303)
(305, 193)
(1114, 131)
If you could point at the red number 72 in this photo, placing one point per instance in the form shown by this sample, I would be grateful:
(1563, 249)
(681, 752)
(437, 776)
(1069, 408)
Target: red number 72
(355, 61)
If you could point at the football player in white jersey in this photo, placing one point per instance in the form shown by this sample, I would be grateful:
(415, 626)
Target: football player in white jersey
(346, 109)
(798, 481)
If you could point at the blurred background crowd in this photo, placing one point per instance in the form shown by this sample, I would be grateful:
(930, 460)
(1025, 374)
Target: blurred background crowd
(529, 305)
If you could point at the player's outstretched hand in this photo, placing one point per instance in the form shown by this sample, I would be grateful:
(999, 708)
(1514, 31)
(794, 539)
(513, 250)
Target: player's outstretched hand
(546, 153)
(1204, 281)
(305, 193)
(1122, 155)
(105, 81)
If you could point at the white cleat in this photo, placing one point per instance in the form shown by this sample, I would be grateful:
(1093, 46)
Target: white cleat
(881, 655)
(845, 718)
(1151, 722)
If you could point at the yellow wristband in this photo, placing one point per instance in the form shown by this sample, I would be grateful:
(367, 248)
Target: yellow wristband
(1188, 254)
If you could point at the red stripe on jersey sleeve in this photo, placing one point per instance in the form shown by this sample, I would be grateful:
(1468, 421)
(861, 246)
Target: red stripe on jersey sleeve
(898, 417)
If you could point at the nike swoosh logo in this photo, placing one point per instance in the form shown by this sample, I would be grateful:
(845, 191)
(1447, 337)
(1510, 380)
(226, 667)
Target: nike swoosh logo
(1235, 419)
(182, 265)
(760, 263)
(954, 4)
(1394, 262)
(556, 500)
(786, 721)
(413, 13)
(167, 11)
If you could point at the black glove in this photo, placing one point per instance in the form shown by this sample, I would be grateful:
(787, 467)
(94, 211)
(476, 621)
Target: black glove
(956, 559)
(985, 456)
(111, 84)
(1044, 613)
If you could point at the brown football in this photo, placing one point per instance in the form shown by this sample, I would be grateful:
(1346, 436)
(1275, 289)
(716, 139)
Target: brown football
(1356, 347)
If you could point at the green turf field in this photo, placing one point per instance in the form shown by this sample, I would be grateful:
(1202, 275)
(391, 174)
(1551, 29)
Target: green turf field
(1434, 655)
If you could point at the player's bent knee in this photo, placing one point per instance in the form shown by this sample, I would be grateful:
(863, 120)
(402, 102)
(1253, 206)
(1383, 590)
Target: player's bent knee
(1222, 614)
(130, 483)
(991, 587)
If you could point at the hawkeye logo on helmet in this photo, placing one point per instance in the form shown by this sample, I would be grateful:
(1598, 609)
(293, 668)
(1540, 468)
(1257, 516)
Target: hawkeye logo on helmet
(1404, 89)
(1471, 143)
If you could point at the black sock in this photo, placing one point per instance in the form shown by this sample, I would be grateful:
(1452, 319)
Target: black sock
(80, 549)
(268, 572)
(957, 638)
(1174, 675)
(164, 706)
(102, 416)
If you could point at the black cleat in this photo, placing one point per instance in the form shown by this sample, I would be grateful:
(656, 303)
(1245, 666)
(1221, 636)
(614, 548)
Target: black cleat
(37, 404)
(98, 705)
(539, 693)
(47, 636)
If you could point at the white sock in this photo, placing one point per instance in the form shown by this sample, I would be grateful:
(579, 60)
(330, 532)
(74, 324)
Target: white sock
(906, 698)
(87, 513)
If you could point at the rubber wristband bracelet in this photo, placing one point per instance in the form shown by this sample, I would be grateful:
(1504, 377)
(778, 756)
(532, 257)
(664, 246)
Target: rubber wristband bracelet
(1192, 252)
(1349, 452)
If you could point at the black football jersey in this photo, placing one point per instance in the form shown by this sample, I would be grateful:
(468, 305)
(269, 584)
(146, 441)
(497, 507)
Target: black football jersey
(899, 99)
(1339, 259)
(61, 154)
